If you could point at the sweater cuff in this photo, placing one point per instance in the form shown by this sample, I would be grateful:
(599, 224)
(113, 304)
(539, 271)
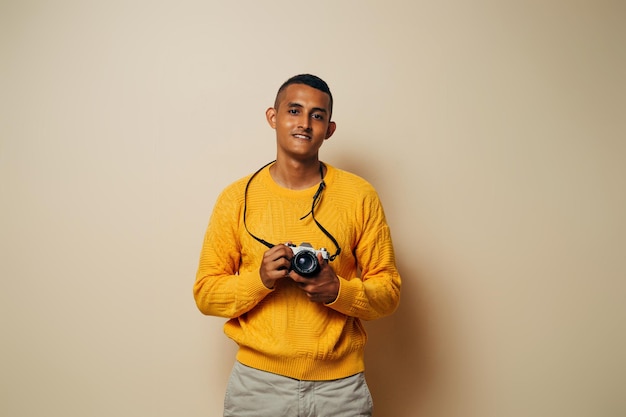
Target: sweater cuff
(251, 284)
(348, 293)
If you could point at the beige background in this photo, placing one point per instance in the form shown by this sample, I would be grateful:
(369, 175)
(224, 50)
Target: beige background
(494, 132)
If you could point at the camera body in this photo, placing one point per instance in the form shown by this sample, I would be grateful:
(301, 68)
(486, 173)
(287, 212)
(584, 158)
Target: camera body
(304, 261)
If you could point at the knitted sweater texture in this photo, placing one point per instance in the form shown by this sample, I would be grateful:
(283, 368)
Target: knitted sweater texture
(279, 330)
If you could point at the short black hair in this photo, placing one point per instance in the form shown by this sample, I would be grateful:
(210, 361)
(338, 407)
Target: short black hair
(306, 79)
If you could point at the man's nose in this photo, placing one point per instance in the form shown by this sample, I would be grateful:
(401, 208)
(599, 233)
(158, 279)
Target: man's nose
(304, 122)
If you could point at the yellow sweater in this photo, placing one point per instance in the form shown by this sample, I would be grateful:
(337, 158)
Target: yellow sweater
(279, 330)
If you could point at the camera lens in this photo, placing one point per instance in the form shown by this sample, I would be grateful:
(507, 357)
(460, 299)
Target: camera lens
(305, 263)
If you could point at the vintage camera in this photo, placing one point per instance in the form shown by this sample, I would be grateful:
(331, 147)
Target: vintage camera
(304, 260)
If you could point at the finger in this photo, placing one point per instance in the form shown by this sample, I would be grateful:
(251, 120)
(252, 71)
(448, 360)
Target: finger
(275, 260)
(299, 279)
(274, 255)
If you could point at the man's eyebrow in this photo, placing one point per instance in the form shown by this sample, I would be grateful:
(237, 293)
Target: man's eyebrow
(300, 106)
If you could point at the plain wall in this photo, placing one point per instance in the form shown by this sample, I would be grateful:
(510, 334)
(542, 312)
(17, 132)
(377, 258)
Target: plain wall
(493, 131)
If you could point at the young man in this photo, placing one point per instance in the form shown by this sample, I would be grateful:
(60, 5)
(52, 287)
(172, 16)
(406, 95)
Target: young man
(294, 310)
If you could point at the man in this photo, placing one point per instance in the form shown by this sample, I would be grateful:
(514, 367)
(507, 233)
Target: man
(294, 310)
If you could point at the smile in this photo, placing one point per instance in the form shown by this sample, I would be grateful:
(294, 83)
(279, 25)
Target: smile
(299, 136)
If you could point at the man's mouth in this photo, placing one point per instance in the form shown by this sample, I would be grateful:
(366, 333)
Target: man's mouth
(302, 136)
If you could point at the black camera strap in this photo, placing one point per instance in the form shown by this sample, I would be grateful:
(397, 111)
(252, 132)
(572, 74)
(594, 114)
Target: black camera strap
(316, 199)
(245, 206)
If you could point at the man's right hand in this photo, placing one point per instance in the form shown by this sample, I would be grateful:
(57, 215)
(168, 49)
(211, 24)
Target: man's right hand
(275, 265)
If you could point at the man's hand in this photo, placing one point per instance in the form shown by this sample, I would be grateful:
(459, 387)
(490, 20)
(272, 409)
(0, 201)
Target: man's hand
(320, 288)
(275, 265)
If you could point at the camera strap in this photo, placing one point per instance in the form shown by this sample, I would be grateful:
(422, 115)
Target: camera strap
(316, 199)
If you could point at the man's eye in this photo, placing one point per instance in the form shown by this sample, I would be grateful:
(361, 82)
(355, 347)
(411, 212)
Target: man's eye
(318, 116)
(293, 111)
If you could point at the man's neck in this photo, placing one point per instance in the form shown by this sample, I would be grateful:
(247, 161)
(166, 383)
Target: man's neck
(296, 175)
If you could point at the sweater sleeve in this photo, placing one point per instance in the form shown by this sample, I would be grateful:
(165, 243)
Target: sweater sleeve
(377, 292)
(220, 289)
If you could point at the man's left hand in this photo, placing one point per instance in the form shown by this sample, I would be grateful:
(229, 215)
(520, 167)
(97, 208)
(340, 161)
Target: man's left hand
(320, 288)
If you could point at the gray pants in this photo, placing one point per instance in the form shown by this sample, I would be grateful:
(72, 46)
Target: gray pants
(254, 393)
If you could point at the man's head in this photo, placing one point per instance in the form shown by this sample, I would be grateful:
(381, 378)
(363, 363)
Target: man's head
(301, 117)
(306, 79)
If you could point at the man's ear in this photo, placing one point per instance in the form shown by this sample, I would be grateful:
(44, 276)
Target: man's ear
(330, 129)
(270, 115)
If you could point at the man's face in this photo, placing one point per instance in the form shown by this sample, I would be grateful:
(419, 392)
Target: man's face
(302, 121)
